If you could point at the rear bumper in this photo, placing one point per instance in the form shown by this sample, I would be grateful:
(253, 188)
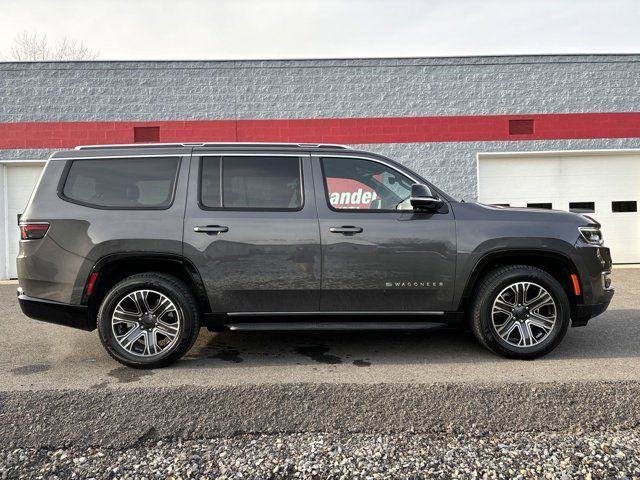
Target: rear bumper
(586, 312)
(75, 316)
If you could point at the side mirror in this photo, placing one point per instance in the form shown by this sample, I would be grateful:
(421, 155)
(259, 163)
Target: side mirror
(423, 199)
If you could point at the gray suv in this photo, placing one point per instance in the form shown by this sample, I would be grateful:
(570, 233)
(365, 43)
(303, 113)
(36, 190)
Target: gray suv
(147, 243)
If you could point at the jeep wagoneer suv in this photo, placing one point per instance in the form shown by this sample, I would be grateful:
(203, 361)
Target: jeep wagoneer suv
(148, 243)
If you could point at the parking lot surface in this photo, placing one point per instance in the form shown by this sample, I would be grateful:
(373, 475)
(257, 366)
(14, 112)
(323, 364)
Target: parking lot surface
(331, 405)
(38, 355)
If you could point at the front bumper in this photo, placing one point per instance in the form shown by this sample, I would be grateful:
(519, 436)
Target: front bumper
(593, 264)
(75, 316)
(585, 312)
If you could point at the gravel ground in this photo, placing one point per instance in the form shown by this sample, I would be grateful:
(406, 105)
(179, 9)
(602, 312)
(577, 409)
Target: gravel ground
(579, 454)
(585, 430)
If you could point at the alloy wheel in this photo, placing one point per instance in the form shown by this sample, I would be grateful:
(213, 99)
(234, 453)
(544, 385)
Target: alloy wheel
(146, 323)
(523, 314)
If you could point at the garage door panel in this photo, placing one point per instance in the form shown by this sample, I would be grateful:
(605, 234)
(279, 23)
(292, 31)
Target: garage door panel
(20, 181)
(621, 233)
(563, 179)
(502, 169)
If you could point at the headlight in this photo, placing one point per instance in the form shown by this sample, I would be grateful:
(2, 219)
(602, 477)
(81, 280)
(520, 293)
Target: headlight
(591, 235)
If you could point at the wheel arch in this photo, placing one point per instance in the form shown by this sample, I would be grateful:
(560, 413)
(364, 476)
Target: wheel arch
(555, 263)
(113, 268)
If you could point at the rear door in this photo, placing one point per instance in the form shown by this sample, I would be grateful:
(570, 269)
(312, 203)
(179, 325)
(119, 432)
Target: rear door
(251, 229)
(378, 255)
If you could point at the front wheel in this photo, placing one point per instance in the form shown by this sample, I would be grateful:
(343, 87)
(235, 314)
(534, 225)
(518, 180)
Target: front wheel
(520, 311)
(148, 320)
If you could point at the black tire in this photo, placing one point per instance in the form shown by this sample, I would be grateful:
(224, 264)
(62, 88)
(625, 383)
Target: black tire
(488, 290)
(186, 309)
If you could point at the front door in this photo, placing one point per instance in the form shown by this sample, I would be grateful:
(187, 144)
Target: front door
(251, 229)
(377, 253)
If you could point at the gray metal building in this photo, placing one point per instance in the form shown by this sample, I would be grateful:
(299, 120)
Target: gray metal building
(493, 128)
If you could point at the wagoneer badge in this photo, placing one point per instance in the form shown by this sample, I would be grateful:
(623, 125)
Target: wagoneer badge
(413, 284)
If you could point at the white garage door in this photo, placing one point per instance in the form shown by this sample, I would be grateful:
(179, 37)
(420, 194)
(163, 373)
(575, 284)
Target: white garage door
(604, 185)
(20, 180)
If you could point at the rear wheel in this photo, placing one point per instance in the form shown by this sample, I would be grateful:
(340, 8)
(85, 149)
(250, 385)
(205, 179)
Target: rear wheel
(520, 311)
(148, 320)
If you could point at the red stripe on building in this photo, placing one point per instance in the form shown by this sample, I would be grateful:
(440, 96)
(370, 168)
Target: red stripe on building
(341, 130)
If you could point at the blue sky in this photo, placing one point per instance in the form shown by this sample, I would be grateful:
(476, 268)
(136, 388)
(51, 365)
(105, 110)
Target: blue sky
(252, 29)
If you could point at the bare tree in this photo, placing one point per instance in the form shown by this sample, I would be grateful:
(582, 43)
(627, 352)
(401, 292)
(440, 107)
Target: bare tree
(31, 47)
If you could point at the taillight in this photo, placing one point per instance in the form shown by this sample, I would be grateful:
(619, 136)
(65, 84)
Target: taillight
(33, 231)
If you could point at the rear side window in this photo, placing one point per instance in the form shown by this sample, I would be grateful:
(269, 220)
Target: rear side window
(254, 183)
(127, 183)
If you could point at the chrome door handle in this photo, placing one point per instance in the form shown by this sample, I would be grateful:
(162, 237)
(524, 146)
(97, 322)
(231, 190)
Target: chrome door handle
(211, 229)
(346, 230)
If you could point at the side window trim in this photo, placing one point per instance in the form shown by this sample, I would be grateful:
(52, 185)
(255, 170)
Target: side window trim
(222, 155)
(201, 204)
(69, 163)
(325, 186)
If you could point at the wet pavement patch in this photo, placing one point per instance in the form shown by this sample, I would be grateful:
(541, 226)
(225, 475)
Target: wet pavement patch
(228, 355)
(361, 363)
(318, 353)
(30, 369)
(128, 375)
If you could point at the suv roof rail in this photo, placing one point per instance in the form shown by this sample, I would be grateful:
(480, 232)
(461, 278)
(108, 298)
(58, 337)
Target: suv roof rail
(214, 144)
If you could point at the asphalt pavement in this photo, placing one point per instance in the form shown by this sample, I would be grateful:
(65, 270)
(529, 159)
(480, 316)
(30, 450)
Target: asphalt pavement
(59, 389)
(36, 355)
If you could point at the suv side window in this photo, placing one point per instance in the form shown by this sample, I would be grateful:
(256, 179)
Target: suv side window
(251, 183)
(359, 184)
(122, 183)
